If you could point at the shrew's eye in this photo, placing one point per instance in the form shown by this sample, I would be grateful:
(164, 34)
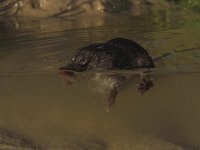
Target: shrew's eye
(84, 61)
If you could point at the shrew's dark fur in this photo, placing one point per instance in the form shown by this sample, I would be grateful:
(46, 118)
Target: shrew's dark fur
(118, 53)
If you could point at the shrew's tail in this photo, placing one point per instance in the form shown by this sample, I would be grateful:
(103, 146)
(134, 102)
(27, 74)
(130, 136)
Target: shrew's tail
(176, 51)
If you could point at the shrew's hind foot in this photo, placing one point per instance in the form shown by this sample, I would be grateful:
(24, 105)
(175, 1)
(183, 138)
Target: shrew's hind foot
(145, 84)
(111, 100)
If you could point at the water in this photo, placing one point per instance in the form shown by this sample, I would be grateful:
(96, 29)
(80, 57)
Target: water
(36, 105)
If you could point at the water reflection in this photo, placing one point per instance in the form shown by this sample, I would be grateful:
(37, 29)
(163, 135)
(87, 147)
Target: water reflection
(71, 8)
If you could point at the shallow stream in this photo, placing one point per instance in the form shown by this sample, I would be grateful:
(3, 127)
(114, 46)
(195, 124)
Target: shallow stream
(37, 105)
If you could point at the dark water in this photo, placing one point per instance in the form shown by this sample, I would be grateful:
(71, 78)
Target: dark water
(36, 104)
